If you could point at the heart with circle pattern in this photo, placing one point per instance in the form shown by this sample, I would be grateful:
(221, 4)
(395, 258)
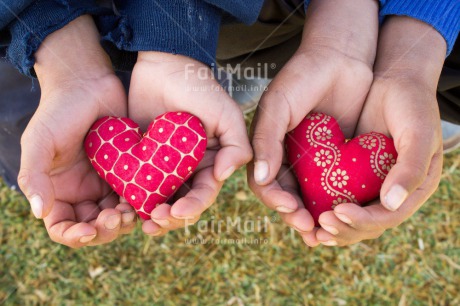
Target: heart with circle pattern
(146, 169)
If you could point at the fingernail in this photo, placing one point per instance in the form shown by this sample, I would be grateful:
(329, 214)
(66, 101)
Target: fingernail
(128, 216)
(85, 239)
(161, 222)
(284, 209)
(260, 171)
(395, 197)
(329, 243)
(227, 173)
(112, 222)
(343, 218)
(330, 229)
(36, 204)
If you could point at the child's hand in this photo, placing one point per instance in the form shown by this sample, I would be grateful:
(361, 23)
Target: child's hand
(402, 103)
(331, 73)
(163, 82)
(78, 86)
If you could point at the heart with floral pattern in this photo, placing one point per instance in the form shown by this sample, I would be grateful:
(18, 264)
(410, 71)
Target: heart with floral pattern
(331, 169)
(146, 169)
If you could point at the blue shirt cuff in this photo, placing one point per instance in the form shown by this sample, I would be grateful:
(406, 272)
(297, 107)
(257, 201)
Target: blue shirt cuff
(9, 9)
(35, 23)
(186, 27)
(443, 15)
(241, 10)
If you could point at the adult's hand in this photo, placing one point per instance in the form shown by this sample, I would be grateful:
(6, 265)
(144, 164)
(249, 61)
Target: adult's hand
(402, 103)
(78, 86)
(330, 73)
(164, 82)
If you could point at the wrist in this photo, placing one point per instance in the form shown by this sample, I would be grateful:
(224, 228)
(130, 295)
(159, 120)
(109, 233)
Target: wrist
(166, 63)
(72, 52)
(164, 57)
(410, 50)
(349, 27)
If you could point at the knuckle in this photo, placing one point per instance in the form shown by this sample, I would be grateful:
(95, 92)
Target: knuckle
(56, 238)
(418, 170)
(23, 179)
(248, 154)
(26, 136)
(264, 145)
(259, 138)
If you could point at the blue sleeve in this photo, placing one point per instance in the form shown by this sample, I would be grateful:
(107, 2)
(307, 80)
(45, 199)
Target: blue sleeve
(241, 10)
(9, 9)
(443, 15)
(36, 22)
(186, 27)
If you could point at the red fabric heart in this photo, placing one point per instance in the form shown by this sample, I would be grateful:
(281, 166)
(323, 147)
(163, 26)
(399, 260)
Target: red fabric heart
(331, 170)
(146, 169)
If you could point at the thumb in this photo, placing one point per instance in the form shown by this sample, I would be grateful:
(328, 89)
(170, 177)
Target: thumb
(416, 150)
(233, 138)
(297, 89)
(269, 127)
(416, 130)
(34, 179)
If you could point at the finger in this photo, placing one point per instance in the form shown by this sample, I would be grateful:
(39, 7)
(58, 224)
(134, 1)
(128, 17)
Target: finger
(152, 229)
(416, 131)
(62, 227)
(335, 232)
(235, 149)
(377, 218)
(205, 189)
(415, 154)
(72, 234)
(86, 211)
(109, 201)
(310, 238)
(330, 223)
(300, 220)
(161, 215)
(269, 127)
(128, 218)
(108, 225)
(286, 102)
(273, 195)
(33, 178)
(282, 195)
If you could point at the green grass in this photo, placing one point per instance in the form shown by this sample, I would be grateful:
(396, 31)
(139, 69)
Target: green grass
(137, 269)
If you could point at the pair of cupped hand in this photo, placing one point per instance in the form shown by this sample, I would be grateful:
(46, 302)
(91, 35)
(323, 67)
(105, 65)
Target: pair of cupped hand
(369, 79)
